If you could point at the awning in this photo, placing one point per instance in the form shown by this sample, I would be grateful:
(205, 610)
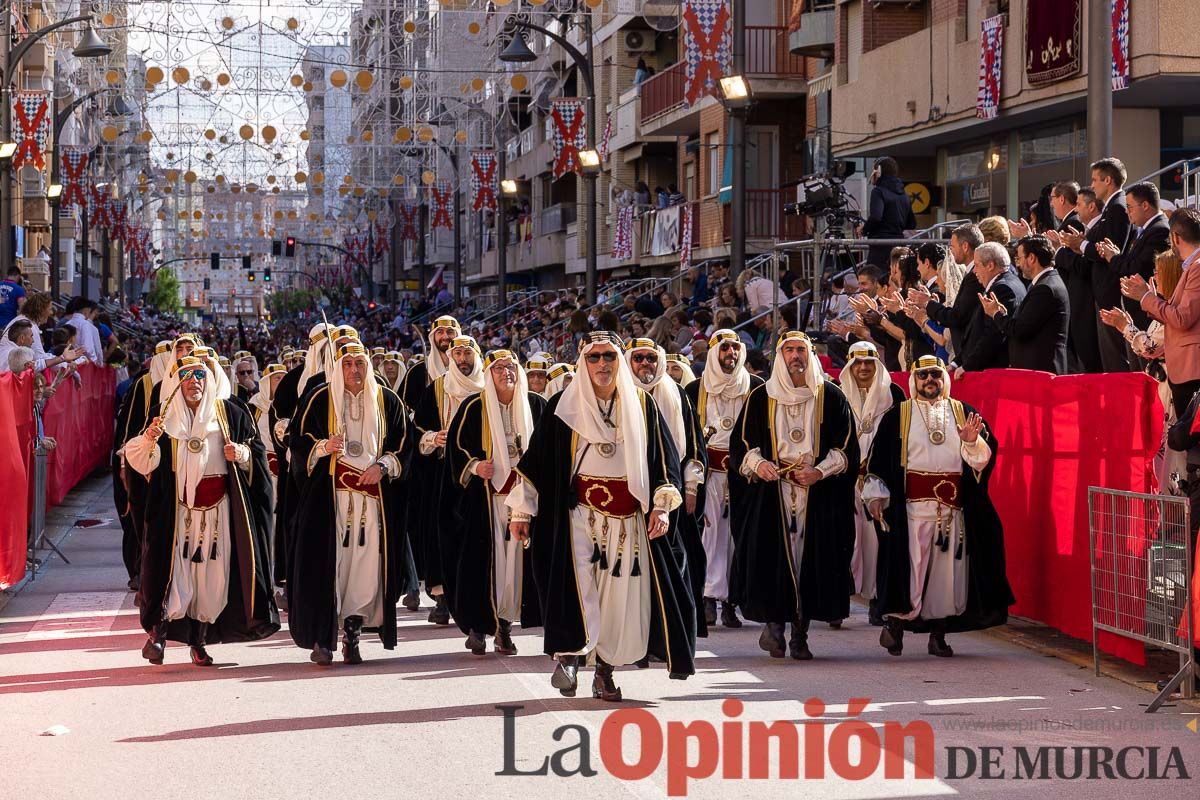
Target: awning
(821, 85)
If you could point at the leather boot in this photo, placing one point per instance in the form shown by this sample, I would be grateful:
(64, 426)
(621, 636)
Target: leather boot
(643, 662)
(603, 686)
(873, 615)
(321, 656)
(412, 600)
(566, 676)
(353, 632)
(771, 639)
(440, 615)
(156, 644)
(196, 635)
(836, 625)
(729, 617)
(798, 644)
(503, 643)
(476, 643)
(710, 611)
(937, 640)
(892, 636)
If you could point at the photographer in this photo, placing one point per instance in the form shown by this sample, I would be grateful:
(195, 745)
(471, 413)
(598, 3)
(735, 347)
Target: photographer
(891, 210)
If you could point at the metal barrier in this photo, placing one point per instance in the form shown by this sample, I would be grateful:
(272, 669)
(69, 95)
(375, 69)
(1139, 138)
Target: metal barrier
(1141, 556)
(38, 540)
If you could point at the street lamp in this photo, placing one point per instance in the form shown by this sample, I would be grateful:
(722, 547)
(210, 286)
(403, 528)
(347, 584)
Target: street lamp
(7, 151)
(508, 187)
(736, 93)
(589, 161)
(54, 193)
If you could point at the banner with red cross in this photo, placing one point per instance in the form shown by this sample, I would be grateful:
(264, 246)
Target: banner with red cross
(570, 135)
(409, 221)
(685, 238)
(708, 47)
(606, 138)
(99, 207)
(383, 235)
(31, 126)
(622, 249)
(441, 200)
(991, 60)
(1120, 44)
(485, 179)
(73, 166)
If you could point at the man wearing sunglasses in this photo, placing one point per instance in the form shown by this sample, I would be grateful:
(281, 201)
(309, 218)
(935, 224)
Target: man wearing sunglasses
(598, 485)
(791, 488)
(207, 520)
(488, 579)
(941, 544)
(718, 397)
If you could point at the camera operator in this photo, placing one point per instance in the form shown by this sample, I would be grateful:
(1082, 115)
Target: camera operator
(891, 210)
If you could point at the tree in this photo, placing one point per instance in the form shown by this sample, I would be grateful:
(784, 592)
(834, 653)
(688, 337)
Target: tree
(164, 294)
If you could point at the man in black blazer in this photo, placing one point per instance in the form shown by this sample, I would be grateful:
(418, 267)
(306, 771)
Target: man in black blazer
(1037, 330)
(1076, 208)
(987, 345)
(1108, 176)
(1150, 236)
(957, 316)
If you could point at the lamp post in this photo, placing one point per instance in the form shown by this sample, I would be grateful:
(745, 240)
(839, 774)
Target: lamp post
(90, 46)
(60, 120)
(508, 189)
(518, 52)
(737, 99)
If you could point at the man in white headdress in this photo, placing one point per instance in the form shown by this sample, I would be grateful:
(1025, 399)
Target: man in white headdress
(486, 582)
(208, 508)
(648, 362)
(718, 397)
(352, 445)
(393, 370)
(437, 407)
(792, 473)
(599, 482)
(941, 544)
(422, 374)
(377, 356)
(264, 415)
(537, 371)
(869, 389)
(560, 376)
(680, 369)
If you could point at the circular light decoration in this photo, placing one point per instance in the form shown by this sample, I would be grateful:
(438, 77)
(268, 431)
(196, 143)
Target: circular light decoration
(473, 29)
(318, 177)
(236, 188)
(110, 133)
(269, 133)
(359, 191)
(477, 84)
(297, 81)
(363, 79)
(197, 215)
(308, 86)
(183, 215)
(180, 75)
(519, 82)
(246, 132)
(594, 3)
(227, 23)
(537, 2)
(460, 137)
(326, 231)
(319, 192)
(464, 88)
(406, 83)
(257, 216)
(398, 180)
(403, 135)
(162, 215)
(210, 134)
(274, 190)
(346, 179)
(251, 187)
(206, 84)
(425, 134)
(109, 20)
(189, 177)
(338, 78)
(271, 179)
(293, 23)
(368, 136)
(278, 215)
(223, 78)
(350, 139)
(427, 177)
(305, 135)
(372, 215)
(210, 189)
(145, 137)
(503, 2)
(221, 180)
(343, 190)
(112, 77)
(411, 27)
(291, 214)
(224, 138)
(301, 177)
(172, 175)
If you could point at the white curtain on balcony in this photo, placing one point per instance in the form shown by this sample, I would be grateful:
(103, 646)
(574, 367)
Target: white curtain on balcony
(666, 231)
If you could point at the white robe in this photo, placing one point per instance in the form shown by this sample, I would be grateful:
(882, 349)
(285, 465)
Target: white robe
(508, 556)
(717, 536)
(865, 562)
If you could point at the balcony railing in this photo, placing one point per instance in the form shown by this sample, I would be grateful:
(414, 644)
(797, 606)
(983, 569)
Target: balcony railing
(767, 55)
(765, 218)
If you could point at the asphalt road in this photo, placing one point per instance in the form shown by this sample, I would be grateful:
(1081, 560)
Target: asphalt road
(422, 721)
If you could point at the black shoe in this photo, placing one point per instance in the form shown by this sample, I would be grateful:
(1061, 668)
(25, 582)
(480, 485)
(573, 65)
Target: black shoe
(798, 643)
(566, 676)
(200, 656)
(873, 615)
(642, 663)
(729, 617)
(134, 583)
(938, 646)
(503, 644)
(412, 600)
(1178, 689)
(321, 656)
(892, 636)
(836, 625)
(771, 639)
(353, 632)
(440, 615)
(154, 649)
(476, 643)
(197, 635)
(710, 611)
(603, 686)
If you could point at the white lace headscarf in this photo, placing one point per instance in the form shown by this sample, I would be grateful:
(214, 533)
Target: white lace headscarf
(522, 416)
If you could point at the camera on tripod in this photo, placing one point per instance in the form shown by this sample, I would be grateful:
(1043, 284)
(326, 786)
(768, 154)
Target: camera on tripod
(825, 197)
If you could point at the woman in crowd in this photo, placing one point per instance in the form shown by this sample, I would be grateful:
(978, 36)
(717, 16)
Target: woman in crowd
(37, 310)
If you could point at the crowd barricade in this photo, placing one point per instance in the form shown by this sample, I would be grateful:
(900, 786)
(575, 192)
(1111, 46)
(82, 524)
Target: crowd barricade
(80, 418)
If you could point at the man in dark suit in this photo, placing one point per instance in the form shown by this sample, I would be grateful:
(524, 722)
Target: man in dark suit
(957, 316)
(987, 346)
(1108, 176)
(1075, 208)
(1037, 330)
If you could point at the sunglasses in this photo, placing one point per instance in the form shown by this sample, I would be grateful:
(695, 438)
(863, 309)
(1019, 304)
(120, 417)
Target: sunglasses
(728, 347)
(594, 358)
(245, 372)
(193, 374)
(644, 358)
(925, 374)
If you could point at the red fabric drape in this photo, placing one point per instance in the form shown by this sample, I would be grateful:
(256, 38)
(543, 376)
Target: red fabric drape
(1058, 436)
(16, 447)
(80, 419)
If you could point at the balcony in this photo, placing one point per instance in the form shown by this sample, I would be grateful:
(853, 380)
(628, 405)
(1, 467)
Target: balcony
(815, 37)
(765, 218)
(778, 72)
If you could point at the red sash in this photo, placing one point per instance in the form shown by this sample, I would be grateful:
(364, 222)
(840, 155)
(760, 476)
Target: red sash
(209, 492)
(607, 495)
(273, 463)
(348, 479)
(718, 460)
(508, 484)
(940, 486)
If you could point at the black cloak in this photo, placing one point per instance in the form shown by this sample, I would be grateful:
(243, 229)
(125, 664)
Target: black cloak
(466, 534)
(131, 421)
(250, 611)
(429, 482)
(549, 465)
(762, 581)
(312, 600)
(988, 592)
(691, 526)
(415, 382)
(284, 401)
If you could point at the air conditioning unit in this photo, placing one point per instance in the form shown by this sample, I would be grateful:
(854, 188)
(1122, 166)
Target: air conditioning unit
(639, 42)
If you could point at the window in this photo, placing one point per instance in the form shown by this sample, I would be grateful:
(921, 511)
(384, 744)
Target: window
(712, 163)
(689, 180)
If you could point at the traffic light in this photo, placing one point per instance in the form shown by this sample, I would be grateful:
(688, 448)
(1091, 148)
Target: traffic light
(250, 277)
(267, 274)
(246, 263)
(289, 247)
(276, 248)
(214, 260)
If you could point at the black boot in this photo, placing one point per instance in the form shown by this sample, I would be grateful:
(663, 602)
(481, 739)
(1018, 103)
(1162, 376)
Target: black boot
(566, 675)
(156, 644)
(892, 636)
(771, 639)
(710, 611)
(603, 686)
(937, 640)
(798, 644)
(504, 644)
(873, 615)
(643, 662)
(729, 617)
(412, 600)
(196, 636)
(440, 615)
(476, 643)
(353, 632)
(321, 656)
(836, 624)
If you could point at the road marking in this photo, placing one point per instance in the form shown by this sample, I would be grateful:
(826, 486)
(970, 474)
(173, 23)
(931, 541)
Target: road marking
(78, 612)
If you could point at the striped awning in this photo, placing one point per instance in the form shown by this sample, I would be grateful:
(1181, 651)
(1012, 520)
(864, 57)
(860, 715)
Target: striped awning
(820, 85)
